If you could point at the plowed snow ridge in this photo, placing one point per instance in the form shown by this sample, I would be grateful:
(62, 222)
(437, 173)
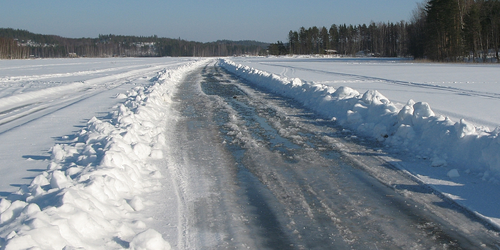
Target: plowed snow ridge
(89, 195)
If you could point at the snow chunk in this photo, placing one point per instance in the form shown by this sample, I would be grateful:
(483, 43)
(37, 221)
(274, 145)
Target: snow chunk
(296, 82)
(4, 204)
(464, 128)
(136, 203)
(31, 209)
(142, 150)
(406, 112)
(121, 96)
(453, 173)
(58, 153)
(12, 211)
(59, 180)
(345, 93)
(22, 242)
(40, 180)
(422, 110)
(156, 154)
(374, 97)
(149, 240)
(439, 162)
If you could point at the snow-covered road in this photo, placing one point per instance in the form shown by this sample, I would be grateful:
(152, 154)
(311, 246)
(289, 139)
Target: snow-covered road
(154, 153)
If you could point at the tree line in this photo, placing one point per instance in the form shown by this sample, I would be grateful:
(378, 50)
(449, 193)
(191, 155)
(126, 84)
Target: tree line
(376, 39)
(462, 29)
(440, 30)
(19, 44)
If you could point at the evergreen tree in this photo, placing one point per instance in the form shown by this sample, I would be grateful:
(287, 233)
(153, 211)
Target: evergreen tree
(293, 41)
(277, 49)
(324, 40)
(472, 31)
(334, 37)
(416, 32)
(443, 30)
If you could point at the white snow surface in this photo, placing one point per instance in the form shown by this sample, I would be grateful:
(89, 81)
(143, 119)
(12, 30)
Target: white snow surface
(453, 151)
(90, 195)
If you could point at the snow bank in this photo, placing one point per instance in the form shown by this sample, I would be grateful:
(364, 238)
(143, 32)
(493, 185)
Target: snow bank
(89, 194)
(413, 127)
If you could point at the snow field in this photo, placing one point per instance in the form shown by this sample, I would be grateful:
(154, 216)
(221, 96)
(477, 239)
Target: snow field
(89, 195)
(413, 128)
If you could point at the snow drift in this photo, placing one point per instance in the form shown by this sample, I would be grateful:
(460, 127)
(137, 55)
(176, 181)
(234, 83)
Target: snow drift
(414, 127)
(89, 194)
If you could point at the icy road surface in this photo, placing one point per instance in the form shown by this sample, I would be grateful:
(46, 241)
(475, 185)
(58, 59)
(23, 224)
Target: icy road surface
(252, 170)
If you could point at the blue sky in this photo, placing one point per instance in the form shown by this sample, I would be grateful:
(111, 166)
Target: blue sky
(195, 20)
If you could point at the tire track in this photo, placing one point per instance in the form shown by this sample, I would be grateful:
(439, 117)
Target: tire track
(458, 91)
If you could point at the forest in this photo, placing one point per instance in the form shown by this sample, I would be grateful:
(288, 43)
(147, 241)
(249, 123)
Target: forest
(20, 44)
(439, 30)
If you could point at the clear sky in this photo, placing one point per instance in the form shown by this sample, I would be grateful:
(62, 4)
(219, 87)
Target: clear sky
(195, 20)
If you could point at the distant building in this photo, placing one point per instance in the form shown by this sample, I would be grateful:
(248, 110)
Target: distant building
(330, 51)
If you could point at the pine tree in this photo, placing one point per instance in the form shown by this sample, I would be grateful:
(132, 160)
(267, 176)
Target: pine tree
(324, 40)
(472, 31)
(443, 30)
(334, 37)
(293, 41)
(416, 32)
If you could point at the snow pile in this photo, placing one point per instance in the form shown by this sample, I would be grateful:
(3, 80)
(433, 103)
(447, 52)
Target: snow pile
(89, 194)
(414, 127)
